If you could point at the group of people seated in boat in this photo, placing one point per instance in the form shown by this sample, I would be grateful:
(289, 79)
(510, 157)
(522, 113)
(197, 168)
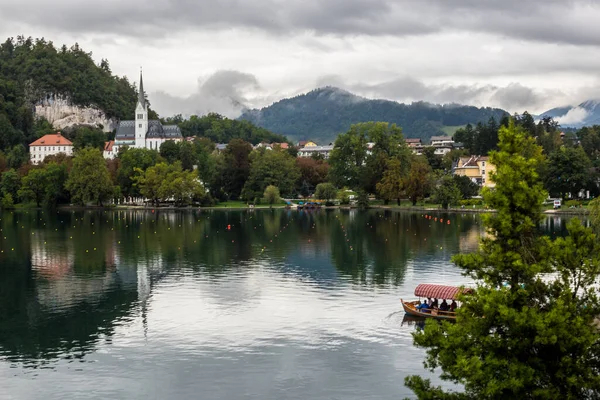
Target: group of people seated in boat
(429, 305)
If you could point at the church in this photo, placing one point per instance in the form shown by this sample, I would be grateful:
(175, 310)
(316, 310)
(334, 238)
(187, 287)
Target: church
(142, 133)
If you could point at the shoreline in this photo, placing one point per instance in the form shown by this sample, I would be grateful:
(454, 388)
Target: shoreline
(578, 211)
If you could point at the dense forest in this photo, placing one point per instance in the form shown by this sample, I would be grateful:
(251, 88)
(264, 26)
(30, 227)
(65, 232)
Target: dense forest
(220, 129)
(324, 113)
(35, 70)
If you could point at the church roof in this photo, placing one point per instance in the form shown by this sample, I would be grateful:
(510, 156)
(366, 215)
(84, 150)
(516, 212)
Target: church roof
(125, 131)
(141, 97)
(156, 130)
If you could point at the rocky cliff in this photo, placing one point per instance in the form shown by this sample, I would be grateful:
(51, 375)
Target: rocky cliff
(61, 113)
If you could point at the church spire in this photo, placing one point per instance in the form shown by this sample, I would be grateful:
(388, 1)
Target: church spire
(141, 96)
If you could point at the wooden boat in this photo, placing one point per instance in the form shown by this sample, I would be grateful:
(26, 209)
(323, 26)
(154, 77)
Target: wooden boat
(430, 291)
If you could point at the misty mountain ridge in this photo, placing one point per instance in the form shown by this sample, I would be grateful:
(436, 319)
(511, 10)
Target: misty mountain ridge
(584, 114)
(323, 113)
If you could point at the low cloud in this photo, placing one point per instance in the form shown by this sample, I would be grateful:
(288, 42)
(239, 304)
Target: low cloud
(575, 116)
(225, 92)
(513, 97)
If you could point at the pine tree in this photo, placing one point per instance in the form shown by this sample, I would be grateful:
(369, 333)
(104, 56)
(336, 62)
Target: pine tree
(527, 331)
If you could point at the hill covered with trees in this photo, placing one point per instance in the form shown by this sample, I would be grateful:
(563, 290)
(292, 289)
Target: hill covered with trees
(324, 113)
(220, 129)
(32, 71)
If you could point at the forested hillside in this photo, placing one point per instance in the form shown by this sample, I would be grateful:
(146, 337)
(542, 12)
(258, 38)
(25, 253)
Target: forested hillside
(324, 113)
(220, 129)
(35, 70)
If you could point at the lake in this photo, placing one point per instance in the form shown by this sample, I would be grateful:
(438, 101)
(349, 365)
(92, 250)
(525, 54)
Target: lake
(264, 304)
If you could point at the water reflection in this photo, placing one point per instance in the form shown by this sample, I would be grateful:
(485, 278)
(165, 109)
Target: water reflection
(194, 289)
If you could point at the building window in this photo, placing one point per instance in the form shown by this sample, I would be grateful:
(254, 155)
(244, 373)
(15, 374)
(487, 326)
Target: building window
(140, 125)
(483, 163)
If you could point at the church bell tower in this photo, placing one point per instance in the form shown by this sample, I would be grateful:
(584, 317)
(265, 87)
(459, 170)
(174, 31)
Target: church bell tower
(141, 117)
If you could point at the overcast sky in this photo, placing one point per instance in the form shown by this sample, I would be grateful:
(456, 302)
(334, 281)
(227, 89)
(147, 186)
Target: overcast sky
(197, 55)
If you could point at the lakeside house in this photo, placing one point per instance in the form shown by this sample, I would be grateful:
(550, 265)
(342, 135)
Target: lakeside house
(477, 168)
(49, 145)
(308, 151)
(143, 133)
(271, 146)
(442, 144)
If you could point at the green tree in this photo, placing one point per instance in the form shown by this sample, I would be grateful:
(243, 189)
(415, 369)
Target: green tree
(312, 172)
(88, 137)
(56, 176)
(132, 160)
(568, 171)
(183, 186)
(446, 192)
(151, 183)
(169, 150)
(33, 186)
(271, 167)
(17, 156)
(526, 331)
(466, 186)
(359, 157)
(222, 130)
(325, 191)
(271, 195)
(10, 183)
(187, 155)
(362, 200)
(434, 160)
(466, 136)
(235, 168)
(590, 141)
(7, 202)
(391, 186)
(89, 180)
(418, 183)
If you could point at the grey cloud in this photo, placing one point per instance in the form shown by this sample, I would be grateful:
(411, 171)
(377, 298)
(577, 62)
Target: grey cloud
(552, 21)
(513, 97)
(516, 96)
(224, 92)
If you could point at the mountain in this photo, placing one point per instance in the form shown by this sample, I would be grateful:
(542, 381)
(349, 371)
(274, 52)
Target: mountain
(324, 113)
(584, 114)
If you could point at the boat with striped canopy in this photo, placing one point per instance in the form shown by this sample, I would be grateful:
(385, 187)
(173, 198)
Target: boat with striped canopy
(432, 291)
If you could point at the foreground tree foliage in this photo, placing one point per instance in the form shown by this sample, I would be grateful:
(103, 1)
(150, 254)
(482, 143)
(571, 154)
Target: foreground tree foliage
(527, 331)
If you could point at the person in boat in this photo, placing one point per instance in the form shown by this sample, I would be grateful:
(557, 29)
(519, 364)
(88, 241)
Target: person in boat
(434, 304)
(444, 306)
(453, 306)
(423, 307)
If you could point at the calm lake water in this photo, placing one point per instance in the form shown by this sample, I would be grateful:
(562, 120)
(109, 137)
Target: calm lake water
(218, 304)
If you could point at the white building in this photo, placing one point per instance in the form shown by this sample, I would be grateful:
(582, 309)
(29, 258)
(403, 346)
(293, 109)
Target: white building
(442, 144)
(142, 133)
(49, 145)
(308, 151)
(109, 151)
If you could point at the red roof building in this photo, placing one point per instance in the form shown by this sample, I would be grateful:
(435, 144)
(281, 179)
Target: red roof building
(49, 145)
